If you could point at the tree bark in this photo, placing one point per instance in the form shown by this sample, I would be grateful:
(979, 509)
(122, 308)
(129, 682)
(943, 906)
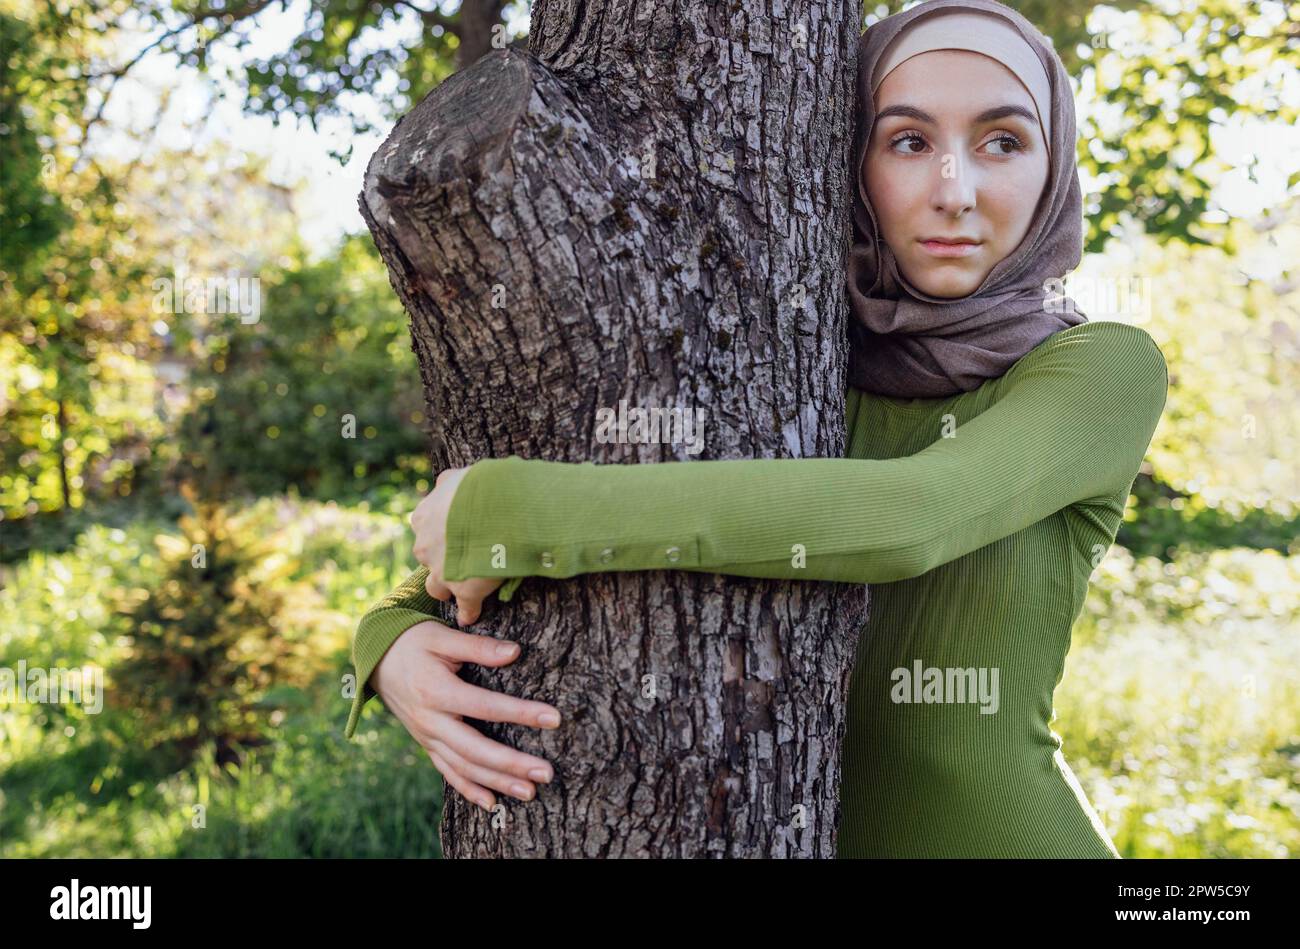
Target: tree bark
(649, 204)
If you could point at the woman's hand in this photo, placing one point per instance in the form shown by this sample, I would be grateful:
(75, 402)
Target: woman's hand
(429, 521)
(418, 681)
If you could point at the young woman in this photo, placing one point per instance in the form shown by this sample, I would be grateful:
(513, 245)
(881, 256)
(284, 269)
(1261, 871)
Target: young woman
(994, 436)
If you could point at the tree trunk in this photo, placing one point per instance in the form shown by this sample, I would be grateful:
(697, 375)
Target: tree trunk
(474, 25)
(649, 204)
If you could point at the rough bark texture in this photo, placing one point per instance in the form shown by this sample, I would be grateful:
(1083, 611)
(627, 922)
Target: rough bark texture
(648, 204)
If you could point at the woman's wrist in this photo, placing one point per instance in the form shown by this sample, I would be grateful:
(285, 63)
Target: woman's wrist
(375, 679)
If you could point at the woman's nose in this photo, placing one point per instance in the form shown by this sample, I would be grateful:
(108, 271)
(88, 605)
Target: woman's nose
(954, 186)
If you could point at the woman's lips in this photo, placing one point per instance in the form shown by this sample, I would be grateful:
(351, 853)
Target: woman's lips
(944, 249)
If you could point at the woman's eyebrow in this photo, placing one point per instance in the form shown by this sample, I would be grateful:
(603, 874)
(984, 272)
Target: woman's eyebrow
(988, 115)
(1003, 111)
(907, 111)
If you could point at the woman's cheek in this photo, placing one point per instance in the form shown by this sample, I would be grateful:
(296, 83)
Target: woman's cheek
(892, 205)
(1010, 223)
(1011, 199)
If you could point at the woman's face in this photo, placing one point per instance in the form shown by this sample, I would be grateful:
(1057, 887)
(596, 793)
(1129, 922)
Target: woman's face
(957, 155)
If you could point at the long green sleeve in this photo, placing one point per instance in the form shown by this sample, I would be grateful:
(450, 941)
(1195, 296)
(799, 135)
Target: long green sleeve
(1071, 423)
(397, 612)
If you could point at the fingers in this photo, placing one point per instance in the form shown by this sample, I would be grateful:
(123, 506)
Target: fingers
(436, 588)
(460, 698)
(468, 789)
(469, 647)
(474, 747)
(468, 608)
(441, 690)
(469, 597)
(523, 789)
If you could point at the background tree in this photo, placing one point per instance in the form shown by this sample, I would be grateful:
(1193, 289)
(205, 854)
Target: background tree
(1168, 73)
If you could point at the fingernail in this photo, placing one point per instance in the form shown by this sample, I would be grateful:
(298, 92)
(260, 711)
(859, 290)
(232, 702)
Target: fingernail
(540, 774)
(507, 649)
(549, 719)
(485, 803)
(521, 790)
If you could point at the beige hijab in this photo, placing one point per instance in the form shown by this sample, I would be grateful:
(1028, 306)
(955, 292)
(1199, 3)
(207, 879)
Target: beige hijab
(904, 343)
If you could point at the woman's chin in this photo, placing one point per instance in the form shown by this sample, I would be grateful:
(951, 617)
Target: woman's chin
(948, 279)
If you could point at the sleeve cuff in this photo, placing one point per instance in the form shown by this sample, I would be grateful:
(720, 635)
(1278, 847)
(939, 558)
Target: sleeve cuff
(376, 633)
(513, 518)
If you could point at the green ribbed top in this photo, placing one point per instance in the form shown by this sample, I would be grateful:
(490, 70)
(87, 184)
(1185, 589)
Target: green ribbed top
(977, 519)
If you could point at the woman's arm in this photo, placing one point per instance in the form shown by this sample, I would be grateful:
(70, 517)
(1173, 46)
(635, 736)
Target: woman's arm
(405, 606)
(1072, 422)
(379, 628)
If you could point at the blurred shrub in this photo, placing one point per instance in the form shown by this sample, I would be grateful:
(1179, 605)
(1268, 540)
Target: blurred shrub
(74, 783)
(217, 640)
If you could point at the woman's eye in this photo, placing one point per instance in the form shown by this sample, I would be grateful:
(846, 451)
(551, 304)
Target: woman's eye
(1008, 143)
(911, 140)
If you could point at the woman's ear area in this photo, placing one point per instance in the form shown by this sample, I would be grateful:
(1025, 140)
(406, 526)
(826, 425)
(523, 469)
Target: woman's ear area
(862, 180)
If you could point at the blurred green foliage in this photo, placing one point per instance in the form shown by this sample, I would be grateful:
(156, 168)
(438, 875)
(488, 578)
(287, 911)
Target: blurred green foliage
(31, 208)
(1165, 521)
(321, 394)
(1178, 706)
(78, 783)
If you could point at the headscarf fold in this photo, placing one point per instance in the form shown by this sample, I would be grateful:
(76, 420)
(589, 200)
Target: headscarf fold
(904, 343)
